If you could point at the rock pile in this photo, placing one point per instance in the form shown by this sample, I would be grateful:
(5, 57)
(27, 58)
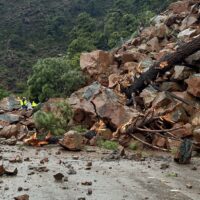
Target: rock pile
(173, 99)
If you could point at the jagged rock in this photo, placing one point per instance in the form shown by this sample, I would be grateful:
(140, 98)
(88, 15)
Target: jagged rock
(194, 59)
(10, 118)
(154, 44)
(161, 31)
(182, 132)
(22, 197)
(181, 72)
(9, 131)
(72, 141)
(159, 19)
(96, 100)
(196, 133)
(162, 100)
(177, 114)
(96, 63)
(113, 80)
(195, 119)
(194, 85)
(170, 86)
(148, 33)
(179, 7)
(9, 104)
(187, 33)
(148, 95)
(188, 21)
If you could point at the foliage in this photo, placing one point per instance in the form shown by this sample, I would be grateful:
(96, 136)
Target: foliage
(79, 128)
(3, 93)
(134, 146)
(54, 122)
(54, 77)
(110, 145)
(37, 29)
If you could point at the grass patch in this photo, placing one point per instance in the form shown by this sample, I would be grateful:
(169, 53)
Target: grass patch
(110, 145)
(79, 129)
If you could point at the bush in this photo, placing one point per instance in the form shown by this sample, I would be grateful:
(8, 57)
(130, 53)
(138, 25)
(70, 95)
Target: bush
(54, 77)
(3, 93)
(54, 122)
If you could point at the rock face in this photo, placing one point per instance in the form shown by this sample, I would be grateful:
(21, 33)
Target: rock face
(72, 141)
(194, 85)
(96, 100)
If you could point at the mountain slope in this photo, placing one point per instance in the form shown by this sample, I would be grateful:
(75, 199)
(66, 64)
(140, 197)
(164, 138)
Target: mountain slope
(37, 29)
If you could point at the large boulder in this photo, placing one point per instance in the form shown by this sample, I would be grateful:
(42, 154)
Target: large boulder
(194, 85)
(97, 65)
(72, 141)
(95, 101)
(10, 118)
(9, 104)
(9, 131)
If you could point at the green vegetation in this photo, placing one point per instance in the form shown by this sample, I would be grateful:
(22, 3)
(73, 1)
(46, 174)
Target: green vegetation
(3, 93)
(38, 29)
(55, 122)
(54, 77)
(107, 144)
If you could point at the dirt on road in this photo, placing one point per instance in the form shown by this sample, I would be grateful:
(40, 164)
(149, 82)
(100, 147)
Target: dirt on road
(96, 175)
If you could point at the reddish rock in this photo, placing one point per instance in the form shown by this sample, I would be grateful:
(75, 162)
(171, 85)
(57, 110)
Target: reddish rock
(160, 142)
(161, 31)
(179, 7)
(194, 85)
(9, 131)
(22, 197)
(162, 100)
(95, 100)
(72, 141)
(182, 132)
(154, 44)
(97, 65)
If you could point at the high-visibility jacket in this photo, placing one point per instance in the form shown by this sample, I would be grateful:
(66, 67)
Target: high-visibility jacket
(23, 102)
(33, 104)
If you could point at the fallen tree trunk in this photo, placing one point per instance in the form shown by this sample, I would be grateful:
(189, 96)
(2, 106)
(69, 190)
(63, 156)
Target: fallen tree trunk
(163, 65)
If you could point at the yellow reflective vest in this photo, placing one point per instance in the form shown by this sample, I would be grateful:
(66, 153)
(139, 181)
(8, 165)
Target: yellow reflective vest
(33, 104)
(23, 103)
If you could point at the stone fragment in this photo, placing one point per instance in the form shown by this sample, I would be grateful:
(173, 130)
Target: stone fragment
(72, 141)
(194, 85)
(193, 59)
(154, 44)
(185, 131)
(181, 72)
(187, 33)
(148, 95)
(188, 21)
(170, 86)
(22, 197)
(58, 176)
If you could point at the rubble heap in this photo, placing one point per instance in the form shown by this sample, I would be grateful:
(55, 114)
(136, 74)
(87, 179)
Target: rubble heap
(166, 110)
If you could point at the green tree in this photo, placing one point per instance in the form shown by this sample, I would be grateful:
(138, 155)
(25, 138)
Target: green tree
(54, 77)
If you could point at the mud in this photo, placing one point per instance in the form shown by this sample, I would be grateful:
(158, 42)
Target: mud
(110, 180)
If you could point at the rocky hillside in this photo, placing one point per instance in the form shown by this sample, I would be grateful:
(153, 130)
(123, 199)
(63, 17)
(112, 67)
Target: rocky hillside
(38, 29)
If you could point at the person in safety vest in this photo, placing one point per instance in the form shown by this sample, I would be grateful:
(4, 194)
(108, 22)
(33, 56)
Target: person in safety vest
(23, 103)
(33, 104)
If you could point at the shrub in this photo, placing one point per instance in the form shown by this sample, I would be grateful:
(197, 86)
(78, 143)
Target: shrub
(111, 145)
(54, 122)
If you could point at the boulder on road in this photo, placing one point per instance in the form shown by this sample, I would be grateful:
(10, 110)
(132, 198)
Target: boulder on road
(9, 131)
(72, 141)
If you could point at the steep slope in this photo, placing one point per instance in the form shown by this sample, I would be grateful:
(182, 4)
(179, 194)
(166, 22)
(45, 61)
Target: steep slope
(36, 29)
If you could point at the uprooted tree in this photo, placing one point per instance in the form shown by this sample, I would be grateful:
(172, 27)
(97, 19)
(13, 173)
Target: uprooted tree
(165, 64)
